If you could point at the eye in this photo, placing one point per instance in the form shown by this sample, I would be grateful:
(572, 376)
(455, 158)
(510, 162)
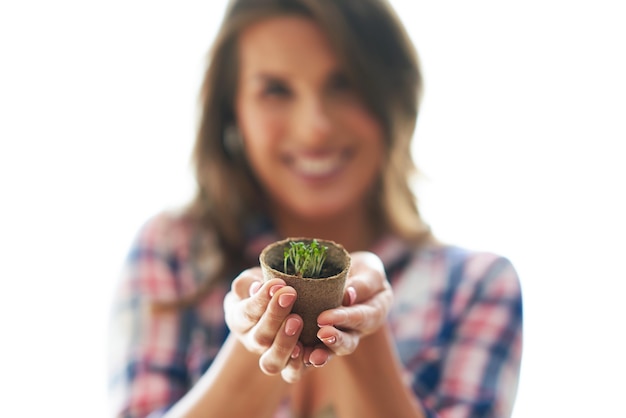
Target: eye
(275, 88)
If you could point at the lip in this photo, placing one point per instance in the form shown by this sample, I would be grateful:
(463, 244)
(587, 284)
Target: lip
(318, 166)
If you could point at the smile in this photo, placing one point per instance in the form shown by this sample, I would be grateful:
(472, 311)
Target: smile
(318, 166)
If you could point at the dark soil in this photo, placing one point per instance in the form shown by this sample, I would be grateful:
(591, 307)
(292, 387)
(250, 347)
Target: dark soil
(328, 270)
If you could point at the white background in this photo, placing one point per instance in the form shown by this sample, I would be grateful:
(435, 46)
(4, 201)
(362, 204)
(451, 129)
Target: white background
(520, 136)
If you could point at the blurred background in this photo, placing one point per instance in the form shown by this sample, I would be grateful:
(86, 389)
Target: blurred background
(520, 139)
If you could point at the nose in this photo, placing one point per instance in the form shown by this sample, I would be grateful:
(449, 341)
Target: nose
(313, 124)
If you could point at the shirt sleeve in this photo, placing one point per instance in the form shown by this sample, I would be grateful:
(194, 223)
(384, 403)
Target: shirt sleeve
(147, 365)
(481, 360)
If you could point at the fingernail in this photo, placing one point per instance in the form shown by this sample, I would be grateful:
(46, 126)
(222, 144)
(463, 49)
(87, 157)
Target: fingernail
(291, 326)
(296, 352)
(275, 289)
(352, 294)
(320, 365)
(286, 299)
(254, 287)
(330, 340)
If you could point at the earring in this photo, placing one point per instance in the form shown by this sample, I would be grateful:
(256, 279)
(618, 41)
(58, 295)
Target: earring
(232, 140)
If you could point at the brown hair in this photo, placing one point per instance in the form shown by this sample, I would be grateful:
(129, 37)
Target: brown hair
(383, 65)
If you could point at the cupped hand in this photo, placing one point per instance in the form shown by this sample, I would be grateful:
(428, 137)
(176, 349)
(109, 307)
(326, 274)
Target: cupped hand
(367, 301)
(258, 313)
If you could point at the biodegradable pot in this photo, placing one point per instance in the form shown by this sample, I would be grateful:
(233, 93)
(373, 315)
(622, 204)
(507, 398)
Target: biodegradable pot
(315, 295)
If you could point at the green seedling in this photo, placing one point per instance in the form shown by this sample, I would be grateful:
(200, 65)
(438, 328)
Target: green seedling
(306, 260)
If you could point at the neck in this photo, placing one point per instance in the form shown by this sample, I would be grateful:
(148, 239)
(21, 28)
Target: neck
(353, 230)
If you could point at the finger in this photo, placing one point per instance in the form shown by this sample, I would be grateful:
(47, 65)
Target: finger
(243, 283)
(278, 308)
(367, 277)
(316, 356)
(349, 296)
(254, 287)
(363, 318)
(247, 312)
(362, 287)
(295, 367)
(339, 342)
(275, 359)
(319, 357)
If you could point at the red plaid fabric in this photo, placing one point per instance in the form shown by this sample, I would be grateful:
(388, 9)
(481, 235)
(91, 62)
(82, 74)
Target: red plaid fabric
(456, 319)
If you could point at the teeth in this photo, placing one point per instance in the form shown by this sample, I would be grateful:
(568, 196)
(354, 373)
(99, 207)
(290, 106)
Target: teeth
(317, 166)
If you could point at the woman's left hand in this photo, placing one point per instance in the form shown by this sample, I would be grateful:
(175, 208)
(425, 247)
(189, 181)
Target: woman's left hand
(366, 303)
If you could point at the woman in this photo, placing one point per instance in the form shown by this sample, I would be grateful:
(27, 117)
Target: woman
(308, 109)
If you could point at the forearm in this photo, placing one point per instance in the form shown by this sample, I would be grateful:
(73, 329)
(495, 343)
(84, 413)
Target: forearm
(374, 385)
(234, 386)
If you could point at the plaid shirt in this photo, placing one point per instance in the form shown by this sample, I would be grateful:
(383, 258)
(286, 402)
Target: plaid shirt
(456, 320)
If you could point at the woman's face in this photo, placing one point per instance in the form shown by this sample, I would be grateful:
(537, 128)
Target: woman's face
(309, 139)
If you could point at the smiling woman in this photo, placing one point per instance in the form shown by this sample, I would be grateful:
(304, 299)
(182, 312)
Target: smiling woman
(307, 113)
(520, 136)
(329, 98)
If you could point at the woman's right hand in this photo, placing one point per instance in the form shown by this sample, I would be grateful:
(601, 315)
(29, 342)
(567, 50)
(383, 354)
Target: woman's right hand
(258, 313)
